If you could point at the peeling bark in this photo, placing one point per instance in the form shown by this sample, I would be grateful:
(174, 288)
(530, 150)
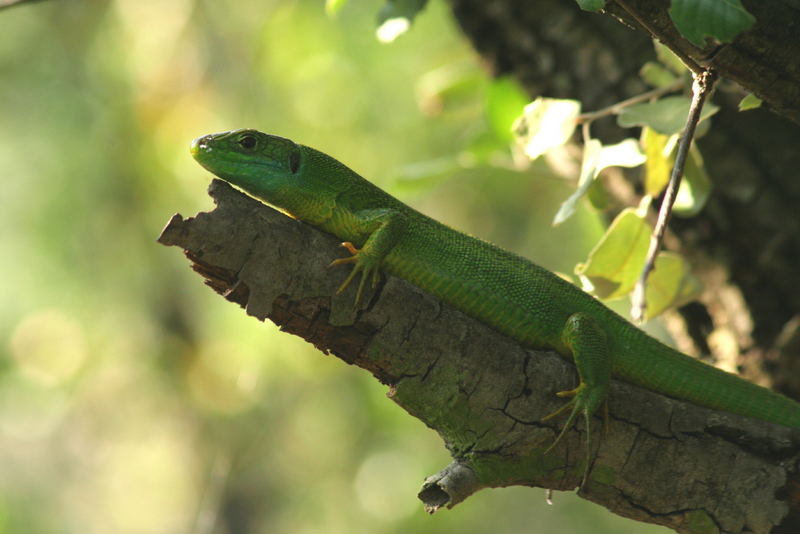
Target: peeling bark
(661, 461)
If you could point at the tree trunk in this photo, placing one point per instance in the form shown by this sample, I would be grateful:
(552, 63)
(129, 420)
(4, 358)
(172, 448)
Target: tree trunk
(486, 395)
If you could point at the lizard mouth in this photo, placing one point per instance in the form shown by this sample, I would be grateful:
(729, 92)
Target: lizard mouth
(200, 145)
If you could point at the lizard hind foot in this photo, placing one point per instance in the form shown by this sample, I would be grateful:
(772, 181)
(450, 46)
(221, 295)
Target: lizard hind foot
(576, 409)
(585, 401)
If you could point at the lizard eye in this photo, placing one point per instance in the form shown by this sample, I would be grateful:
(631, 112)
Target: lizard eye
(248, 141)
(294, 161)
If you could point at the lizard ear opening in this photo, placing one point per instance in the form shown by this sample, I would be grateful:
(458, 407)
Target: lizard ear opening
(294, 161)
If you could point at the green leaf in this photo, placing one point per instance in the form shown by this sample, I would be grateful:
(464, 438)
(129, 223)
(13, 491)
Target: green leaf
(721, 19)
(656, 74)
(659, 150)
(670, 284)
(485, 149)
(591, 153)
(591, 5)
(596, 158)
(666, 115)
(546, 123)
(669, 59)
(695, 187)
(598, 196)
(504, 100)
(395, 18)
(448, 86)
(332, 7)
(750, 101)
(615, 263)
(626, 153)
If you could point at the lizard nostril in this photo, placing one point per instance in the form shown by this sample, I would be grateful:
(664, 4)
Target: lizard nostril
(200, 145)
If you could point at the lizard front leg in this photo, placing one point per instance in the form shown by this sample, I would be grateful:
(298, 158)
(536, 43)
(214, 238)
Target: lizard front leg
(383, 229)
(586, 340)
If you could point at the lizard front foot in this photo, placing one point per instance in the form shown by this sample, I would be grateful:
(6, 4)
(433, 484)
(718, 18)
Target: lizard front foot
(363, 263)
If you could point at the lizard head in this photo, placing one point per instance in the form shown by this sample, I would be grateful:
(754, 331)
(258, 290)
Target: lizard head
(271, 168)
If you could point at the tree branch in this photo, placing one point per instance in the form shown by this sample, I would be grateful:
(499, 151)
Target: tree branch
(662, 461)
(763, 59)
(744, 245)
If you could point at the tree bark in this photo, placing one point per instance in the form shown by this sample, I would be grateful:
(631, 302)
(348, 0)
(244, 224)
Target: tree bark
(662, 461)
(745, 244)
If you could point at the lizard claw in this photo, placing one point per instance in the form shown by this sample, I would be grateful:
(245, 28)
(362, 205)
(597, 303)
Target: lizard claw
(583, 402)
(363, 264)
(350, 259)
(350, 247)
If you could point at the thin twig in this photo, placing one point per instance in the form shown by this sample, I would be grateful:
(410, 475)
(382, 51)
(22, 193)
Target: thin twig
(585, 131)
(619, 106)
(703, 83)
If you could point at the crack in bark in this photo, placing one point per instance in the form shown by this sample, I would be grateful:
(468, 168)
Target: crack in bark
(471, 371)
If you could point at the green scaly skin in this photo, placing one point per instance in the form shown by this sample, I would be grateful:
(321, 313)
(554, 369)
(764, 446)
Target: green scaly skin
(501, 289)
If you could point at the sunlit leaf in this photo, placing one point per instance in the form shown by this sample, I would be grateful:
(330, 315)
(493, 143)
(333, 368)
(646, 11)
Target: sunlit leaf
(750, 101)
(658, 149)
(626, 153)
(546, 123)
(722, 20)
(695, 186)
(596, 158)
(615, 263)
(332, 7)
(666, 115)
(670, 284)
(669, 59)
(396, 16)
(504, 101)
(392, 28)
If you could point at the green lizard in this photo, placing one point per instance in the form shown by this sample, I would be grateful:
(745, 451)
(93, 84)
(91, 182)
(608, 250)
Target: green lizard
(511, 294)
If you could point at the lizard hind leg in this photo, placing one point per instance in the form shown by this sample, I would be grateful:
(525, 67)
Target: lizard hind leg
(586, 340)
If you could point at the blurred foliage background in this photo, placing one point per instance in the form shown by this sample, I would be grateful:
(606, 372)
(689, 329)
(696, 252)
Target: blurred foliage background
(133, 399)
